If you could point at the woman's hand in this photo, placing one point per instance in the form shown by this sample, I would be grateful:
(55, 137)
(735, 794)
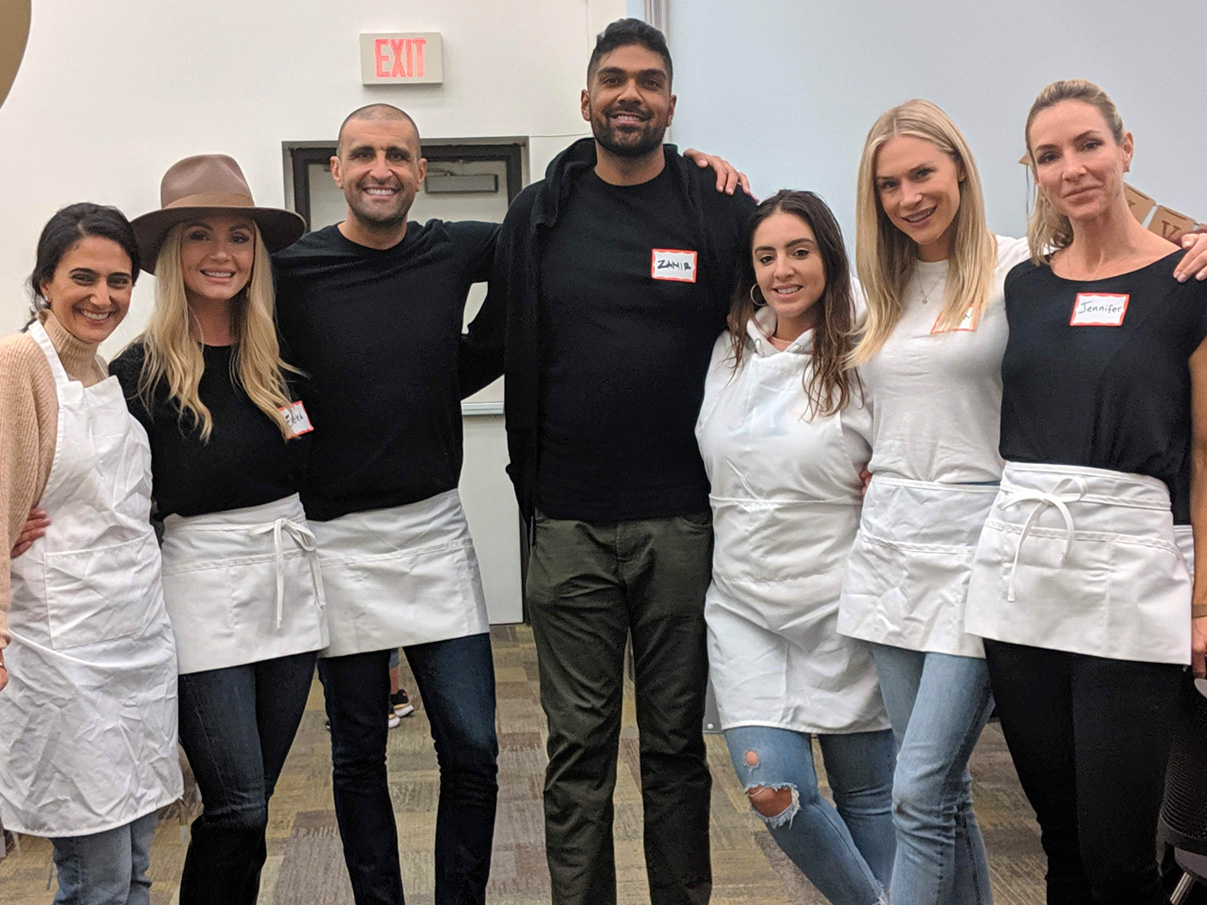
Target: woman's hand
(3, 672)
(35, 526)
(1198, 647)
(1194, 262)
(866, 477)
(728, 176)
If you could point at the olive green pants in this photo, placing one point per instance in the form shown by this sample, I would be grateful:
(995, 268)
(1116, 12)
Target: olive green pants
(591, 586)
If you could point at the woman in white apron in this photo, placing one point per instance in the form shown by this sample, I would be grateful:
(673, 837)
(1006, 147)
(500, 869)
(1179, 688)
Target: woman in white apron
(88, 747)
(1079, 588)
(241, 580)
(783, 433)
(930, 355)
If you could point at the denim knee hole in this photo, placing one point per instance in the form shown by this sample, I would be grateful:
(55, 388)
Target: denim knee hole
(782, 800)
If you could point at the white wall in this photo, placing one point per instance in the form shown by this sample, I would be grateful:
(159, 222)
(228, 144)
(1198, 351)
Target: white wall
(788, 89)
(110, 94)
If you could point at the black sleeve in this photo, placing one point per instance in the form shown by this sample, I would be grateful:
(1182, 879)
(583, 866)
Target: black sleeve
(480, 353)
(1196, 315)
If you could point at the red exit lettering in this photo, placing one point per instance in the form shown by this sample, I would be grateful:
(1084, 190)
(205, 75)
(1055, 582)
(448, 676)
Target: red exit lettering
(399, 58)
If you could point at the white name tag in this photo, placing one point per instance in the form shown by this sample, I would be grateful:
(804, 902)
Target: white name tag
(673, 264)
(967, 323)
(297, 419)
(1097, 309)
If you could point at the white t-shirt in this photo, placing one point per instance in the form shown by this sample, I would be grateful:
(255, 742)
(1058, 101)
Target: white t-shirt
(937, 397)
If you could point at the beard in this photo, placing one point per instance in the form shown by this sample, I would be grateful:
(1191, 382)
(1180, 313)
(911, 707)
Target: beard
(374, 218)
(628, 141)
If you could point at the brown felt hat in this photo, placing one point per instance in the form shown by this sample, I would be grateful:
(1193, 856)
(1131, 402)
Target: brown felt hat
(205, 186)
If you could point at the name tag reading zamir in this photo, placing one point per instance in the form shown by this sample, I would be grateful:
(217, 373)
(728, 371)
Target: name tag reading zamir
(673, 264)
(295, 416)
(1099, 309)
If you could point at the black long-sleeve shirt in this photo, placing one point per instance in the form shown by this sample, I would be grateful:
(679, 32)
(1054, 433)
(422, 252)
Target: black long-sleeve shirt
(378, 332)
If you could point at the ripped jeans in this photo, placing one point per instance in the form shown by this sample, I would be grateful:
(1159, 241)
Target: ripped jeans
(846, 849)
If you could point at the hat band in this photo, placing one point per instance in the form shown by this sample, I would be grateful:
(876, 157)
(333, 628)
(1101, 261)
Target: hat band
(212, 199)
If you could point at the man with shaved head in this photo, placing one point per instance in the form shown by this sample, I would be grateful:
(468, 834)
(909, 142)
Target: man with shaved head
(371, 310)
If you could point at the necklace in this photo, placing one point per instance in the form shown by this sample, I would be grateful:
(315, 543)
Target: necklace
(926, 291)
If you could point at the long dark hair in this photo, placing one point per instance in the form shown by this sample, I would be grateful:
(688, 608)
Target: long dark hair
(830, 386)
(66, 228)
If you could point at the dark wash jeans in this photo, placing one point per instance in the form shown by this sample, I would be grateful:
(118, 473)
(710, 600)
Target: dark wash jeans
(591, 586)
(236, 726)
(1090, 737)
(456, 681)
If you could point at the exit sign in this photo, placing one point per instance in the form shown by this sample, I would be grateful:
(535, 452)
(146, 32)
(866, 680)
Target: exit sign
(399, 59)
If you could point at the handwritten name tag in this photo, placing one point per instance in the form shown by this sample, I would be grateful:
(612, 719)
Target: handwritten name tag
(967, 323)
(673, 264)
(1098, 309)
(297, 419)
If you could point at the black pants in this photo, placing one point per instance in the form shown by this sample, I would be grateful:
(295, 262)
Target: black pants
(236, 726)
(590, 587)
(1090, 737)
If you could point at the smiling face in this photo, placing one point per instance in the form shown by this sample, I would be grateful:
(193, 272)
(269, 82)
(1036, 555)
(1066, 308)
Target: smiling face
(918, 186)
(789, 272)
(1078, 164)
(379, 170)
(216, 257)
(89, 292)
(629, 102)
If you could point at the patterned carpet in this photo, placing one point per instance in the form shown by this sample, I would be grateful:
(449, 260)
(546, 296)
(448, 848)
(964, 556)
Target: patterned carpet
(305, 864)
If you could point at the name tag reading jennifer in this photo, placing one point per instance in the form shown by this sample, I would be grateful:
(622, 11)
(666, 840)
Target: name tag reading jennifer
(673, 264)
(297, 419)
(1098, 309)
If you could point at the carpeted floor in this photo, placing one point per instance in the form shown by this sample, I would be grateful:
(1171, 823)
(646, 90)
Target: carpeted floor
(305, 863)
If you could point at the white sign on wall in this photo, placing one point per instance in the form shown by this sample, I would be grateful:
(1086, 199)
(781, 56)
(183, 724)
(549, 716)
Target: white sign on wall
(407, 58)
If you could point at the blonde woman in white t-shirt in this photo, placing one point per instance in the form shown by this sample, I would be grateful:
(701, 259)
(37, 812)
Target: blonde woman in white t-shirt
(930, 356)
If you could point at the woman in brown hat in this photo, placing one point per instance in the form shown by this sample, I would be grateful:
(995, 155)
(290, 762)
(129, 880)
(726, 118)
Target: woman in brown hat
(208, 382)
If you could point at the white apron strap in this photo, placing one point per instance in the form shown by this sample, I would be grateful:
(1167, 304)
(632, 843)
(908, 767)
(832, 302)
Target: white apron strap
(38, 332)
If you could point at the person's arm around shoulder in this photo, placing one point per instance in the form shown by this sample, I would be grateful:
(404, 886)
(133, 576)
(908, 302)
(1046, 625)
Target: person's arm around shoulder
(480, 351)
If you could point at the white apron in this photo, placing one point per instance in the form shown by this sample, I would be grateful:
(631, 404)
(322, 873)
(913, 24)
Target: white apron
(785, 501)
(1082, 560)
(1183, 537)
(88, 720)
(243, 585)
(400, 576)
(907, 577)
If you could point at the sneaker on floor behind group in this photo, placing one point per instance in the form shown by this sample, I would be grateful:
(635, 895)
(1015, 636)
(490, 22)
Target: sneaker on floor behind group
(401, 703)
(392, 719)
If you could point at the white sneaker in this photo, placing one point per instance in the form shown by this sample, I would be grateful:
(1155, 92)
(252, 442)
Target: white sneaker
(394, 720)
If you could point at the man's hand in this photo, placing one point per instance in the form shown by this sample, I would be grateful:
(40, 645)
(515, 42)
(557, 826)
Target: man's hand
(35, 526)
(728, 177)
(1195, 258)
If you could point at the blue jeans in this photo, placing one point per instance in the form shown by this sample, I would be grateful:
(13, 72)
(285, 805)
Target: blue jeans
(938, 705)
(236, 726)
(846, 853)
(456, 682)
(108, 868)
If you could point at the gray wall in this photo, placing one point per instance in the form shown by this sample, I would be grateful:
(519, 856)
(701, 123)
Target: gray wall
(787, 89)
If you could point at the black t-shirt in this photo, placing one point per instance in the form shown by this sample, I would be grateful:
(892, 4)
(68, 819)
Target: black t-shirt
(628, 321)
(246, 461)
(1095, 372)
(377, 332)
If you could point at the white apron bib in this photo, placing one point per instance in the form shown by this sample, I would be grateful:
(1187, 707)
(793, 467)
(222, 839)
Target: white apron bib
(400, 576)
(243, 585)
(785, 502)
(907, 577)
(88, 738)
(1082, 560)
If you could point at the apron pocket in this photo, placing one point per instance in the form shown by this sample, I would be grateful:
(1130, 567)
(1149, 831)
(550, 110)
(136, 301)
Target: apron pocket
(875, 573)
(101, 594)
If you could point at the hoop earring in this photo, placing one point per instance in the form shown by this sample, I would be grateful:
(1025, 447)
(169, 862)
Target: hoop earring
(756, 302)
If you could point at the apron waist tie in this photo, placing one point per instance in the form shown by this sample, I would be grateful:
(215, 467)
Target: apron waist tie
(1057, 499)
(303, 537)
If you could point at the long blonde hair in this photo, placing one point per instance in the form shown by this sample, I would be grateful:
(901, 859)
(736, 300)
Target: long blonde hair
(173, 354)
(885, 257)
(1047, 230)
